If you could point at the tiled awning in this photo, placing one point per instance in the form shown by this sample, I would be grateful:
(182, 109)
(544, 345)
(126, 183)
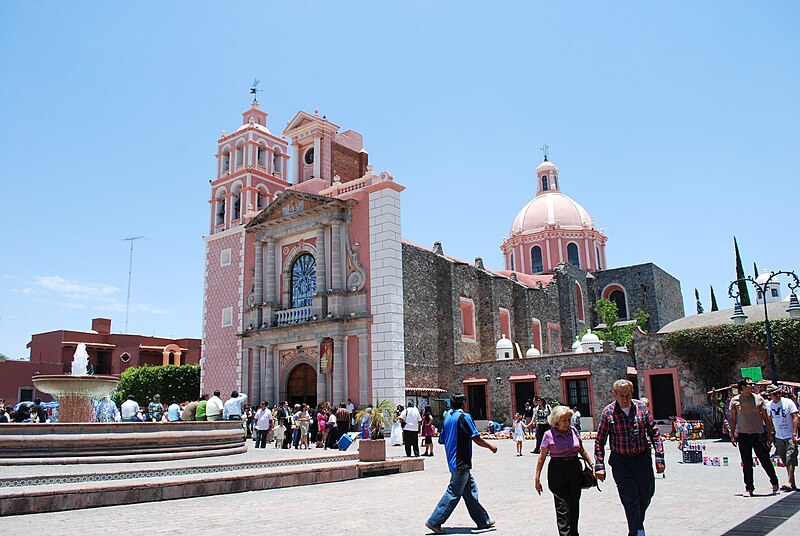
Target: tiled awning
(522, 376)
(576, 373)
(475, 379)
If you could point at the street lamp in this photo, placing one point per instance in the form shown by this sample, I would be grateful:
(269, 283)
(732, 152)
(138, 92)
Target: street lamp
(739, 317)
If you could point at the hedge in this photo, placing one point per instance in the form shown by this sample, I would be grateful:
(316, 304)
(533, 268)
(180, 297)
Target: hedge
(170, 381)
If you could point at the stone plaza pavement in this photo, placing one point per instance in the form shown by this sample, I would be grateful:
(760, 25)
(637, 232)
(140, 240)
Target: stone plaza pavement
(691, 500)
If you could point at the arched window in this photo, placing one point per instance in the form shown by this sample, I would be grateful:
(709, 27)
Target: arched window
(304, 280)
(511, 262)
(239, 156)
(536, 260)
(261, 198)
(220, 208)
(573, 254)
(226, 161)
(579, 301)
(261, 156)
(545, 184)
(599, 262)
(236, 202)
(618, 296)
(276, 160)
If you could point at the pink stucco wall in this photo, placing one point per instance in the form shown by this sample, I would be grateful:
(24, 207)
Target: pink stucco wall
(223, 289)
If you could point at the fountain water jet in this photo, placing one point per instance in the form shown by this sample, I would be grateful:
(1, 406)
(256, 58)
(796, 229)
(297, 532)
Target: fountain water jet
(75, 392)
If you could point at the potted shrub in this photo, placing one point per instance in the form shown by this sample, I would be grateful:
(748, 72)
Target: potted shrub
(380, 417)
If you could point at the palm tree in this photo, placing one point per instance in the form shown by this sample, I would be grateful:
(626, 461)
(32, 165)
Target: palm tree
(381, 415)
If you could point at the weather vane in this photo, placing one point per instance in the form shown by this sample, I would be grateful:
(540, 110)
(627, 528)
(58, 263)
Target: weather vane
(254, 90)
(546, 150)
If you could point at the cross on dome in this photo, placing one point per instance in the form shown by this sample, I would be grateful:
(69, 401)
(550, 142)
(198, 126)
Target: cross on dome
(545, 150)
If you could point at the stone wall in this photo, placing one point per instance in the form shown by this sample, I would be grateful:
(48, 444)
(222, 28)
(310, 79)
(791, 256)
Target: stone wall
(605, 368)
(647, 287)
(433, 287)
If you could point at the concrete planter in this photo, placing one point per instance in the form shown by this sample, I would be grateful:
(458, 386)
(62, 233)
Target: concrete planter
(372, 450)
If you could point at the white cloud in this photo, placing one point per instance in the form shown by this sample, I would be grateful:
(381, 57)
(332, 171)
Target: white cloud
(74, 289)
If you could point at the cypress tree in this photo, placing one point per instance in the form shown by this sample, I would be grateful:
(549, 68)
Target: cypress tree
(713, 301)
(699, 305)
(744, 296)
(755, 271)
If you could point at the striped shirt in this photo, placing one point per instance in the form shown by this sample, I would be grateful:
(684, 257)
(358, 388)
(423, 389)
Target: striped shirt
(628, 435)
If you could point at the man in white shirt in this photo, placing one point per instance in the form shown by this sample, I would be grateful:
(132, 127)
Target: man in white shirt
(232, 410)
(412, 422)
(263, 425)
(214, 407)
(785, 422)
(129, 409)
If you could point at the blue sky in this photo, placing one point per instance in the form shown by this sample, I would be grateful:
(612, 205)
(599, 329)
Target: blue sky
(674, 125)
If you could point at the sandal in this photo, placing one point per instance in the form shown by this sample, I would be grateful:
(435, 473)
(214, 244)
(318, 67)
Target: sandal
(787, 487)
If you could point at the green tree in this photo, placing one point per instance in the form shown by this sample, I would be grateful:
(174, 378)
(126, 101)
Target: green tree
(744, 295)
(755, 271)
(714, 306)
(3, 357)
(614, 331)
(170, 381)
(699, 305)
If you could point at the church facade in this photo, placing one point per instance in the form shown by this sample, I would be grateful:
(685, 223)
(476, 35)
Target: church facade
(312, 294)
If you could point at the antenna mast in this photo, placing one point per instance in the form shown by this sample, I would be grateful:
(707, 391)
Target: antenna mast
(131, 239)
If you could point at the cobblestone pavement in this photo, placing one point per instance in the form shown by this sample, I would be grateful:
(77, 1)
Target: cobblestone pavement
(691, 500)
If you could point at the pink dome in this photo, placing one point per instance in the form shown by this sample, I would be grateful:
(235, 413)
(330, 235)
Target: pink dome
(551, 208)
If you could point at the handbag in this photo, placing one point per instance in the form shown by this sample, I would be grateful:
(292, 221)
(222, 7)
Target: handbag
(588, 480)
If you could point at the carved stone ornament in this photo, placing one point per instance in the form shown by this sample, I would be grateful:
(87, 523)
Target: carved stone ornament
(357, 276)
(251, 299)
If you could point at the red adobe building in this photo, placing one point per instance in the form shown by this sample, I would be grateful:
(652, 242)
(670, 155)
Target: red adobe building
(109, 353)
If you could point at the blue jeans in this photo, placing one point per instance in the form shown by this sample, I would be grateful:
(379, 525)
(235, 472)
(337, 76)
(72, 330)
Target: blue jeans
(461, 484)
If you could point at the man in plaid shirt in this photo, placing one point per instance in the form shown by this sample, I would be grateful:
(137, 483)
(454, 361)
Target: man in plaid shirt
(631, 431)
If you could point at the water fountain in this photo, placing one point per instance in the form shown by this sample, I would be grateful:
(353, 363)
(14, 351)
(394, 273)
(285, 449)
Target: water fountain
(75, 392)
(75, 439)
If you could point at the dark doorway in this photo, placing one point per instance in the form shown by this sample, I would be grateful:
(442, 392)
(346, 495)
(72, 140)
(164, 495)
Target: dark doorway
(476, 401)
(662, 387)
(301, 387)
(103, 363)
(523, 391)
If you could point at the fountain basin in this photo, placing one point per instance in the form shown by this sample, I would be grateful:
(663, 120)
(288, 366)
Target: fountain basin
(60, 443)
(75, 393)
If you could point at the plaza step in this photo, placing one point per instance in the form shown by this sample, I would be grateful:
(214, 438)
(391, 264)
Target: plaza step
(72, 490)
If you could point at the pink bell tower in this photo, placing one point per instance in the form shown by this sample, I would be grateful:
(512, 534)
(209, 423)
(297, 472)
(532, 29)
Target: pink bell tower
(252, 168)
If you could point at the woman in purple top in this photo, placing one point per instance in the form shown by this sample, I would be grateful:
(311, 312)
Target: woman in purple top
(564, 445)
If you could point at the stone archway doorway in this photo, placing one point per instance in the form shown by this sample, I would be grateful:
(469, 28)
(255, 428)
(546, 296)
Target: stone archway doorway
(301, 387)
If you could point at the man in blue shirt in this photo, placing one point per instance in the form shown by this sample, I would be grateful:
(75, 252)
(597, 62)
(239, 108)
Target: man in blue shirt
(457, 435)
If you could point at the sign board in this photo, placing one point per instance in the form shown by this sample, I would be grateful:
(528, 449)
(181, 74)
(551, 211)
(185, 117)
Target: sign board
(754, 373)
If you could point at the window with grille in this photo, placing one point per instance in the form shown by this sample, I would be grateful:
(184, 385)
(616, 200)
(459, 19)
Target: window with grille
(304, 280)
(578, 395)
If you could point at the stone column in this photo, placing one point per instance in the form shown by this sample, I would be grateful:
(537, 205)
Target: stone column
(270, 278)
(363, 365)
(345, 385)
(317, 158)
(337, 268)
(255, 382)
(297, 165)
(322, 275)
(266, 372)
(276, 376)
(338, 370)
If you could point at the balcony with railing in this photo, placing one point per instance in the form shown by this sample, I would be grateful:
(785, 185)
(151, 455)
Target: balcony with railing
(295, 315)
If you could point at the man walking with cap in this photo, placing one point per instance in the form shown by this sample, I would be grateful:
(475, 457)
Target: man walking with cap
(749, 417)
(785, 421)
